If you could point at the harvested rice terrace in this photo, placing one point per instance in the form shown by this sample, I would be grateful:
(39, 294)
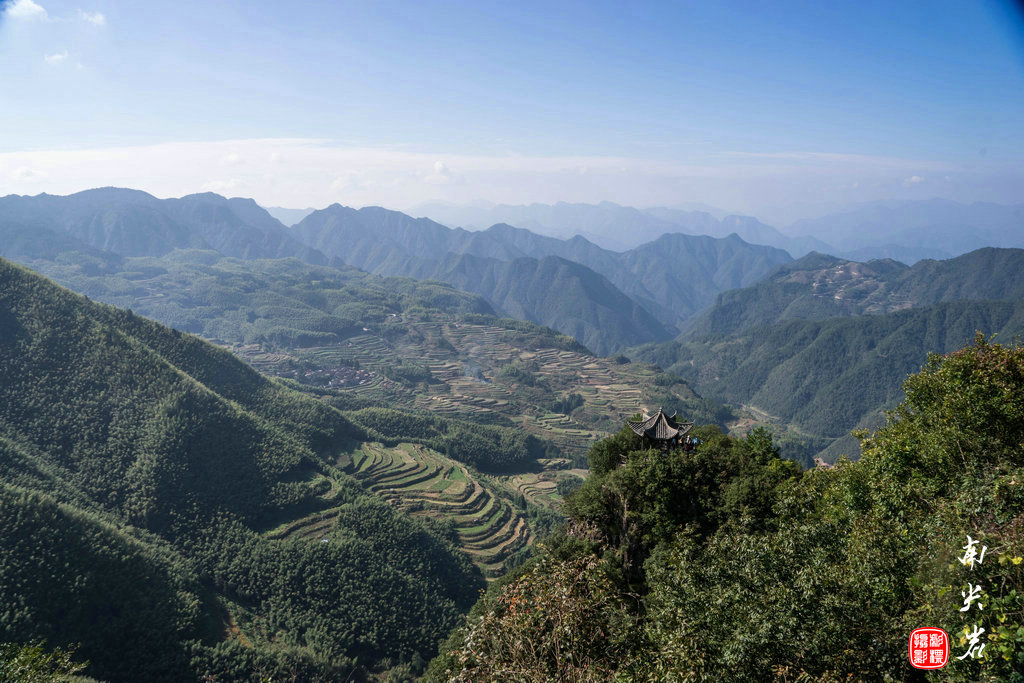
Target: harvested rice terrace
(539, 489)
(465, 361)
(426, 483)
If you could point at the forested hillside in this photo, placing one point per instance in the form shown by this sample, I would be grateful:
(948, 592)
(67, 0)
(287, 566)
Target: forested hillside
(672, 277)
(553, 292)
(826, 377)
(819, 286)
(730, 564)
(139, 466)
(279, 302)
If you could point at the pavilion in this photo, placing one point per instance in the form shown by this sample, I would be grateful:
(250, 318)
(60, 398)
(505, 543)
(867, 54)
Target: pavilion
(661, 430)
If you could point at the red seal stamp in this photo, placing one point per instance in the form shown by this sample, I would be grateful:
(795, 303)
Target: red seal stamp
(929, 648)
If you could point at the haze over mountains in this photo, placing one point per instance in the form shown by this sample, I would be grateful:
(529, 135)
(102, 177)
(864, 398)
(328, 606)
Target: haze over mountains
(672, 278)
(909, 231)
(731, 303)
(134, 223)
(904, 230)
(288, 216)
(616, 227)
(605, 299)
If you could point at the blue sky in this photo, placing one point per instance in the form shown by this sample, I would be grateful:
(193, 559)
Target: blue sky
(779, 109)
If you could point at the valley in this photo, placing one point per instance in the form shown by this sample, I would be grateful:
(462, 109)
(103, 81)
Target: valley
(513, 342)
(399, 427)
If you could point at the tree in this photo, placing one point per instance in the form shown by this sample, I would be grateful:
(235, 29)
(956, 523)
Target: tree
(560, 621)
(32, 663)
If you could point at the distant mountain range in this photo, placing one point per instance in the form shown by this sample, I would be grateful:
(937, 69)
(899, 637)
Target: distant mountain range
(618, 228)
(133, 223)
(110, 224)
(909, 231)
(607, 299)
(906, 231)
(672, 278)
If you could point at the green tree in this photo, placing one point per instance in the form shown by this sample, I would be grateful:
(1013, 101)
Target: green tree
(33, 663)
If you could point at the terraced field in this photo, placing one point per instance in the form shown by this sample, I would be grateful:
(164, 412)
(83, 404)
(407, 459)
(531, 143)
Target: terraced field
(466, 381)
(424, 483)
(427, 483)
(465, 362)
(540, 488)
(316, 525)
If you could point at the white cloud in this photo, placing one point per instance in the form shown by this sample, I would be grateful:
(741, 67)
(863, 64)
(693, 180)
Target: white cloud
(830, 158)
(221, 186)
(317, 172)
(56, 58)
(25, 9)
(440, 175)
(94, 18)
(24, 174)
(913, 180)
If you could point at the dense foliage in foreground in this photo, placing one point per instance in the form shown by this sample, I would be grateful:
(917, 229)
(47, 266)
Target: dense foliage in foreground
(138, 468)
(729, 563)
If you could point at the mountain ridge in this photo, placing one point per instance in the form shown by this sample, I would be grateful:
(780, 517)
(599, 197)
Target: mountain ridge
(134, 223)
(819, 286)
(392, 243)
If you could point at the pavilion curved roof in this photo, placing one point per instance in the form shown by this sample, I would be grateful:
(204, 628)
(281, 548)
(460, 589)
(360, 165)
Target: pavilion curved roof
(660, 427)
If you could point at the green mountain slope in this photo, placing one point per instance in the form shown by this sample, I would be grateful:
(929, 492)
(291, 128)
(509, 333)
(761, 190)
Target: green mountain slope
(672, 277)
(395, 342)
(275, 302)
(139, 465)
(680, 274)
(553, 292)
(133, 223)
(827, 376)
(548, 290)
(818, 287)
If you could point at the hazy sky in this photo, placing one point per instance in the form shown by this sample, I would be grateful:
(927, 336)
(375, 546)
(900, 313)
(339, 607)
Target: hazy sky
(778, 109)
